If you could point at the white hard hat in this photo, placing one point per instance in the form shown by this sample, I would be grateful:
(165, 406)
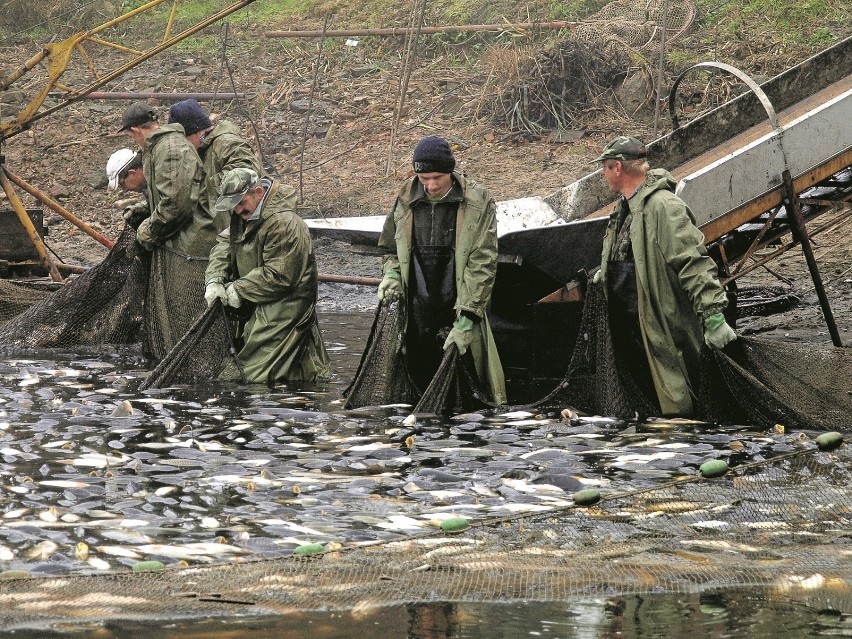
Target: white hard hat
(117, 162)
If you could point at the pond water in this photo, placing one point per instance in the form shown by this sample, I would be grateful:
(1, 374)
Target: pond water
(95, 476)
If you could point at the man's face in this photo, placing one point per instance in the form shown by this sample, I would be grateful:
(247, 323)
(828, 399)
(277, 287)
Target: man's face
(613, 172)
(132, 180)
(436, 183)
(249, 203)
(137, 134)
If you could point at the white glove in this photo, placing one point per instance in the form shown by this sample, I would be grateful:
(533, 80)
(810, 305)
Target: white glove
(231, 297)
(597, 277)
(461, 334)
(390, 288)
(213, 291)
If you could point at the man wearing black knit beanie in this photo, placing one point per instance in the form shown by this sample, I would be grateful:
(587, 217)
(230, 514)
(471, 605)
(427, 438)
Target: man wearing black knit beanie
(440, 243)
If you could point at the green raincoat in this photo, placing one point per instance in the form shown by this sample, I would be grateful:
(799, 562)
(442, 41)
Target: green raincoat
(179, 218)
(221, 150)
(278, 274)
(475, 266)
(677, 286)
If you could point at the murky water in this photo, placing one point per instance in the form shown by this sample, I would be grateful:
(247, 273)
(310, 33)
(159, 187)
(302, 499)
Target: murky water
(95, 476)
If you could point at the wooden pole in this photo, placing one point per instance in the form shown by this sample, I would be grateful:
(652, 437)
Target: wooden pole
(404, 31)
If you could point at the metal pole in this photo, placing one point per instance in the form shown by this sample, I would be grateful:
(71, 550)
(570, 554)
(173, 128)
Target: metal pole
(404, 31)
(152, 95)
(45, 199)
(30, 229)
(800, 234)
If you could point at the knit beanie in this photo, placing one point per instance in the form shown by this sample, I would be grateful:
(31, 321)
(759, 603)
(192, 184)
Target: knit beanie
(190, 115)
(433, 155)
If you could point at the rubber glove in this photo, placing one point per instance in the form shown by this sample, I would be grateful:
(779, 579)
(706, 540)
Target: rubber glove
(390, 287)
(717, 333)
(461, 334)
(231, 298)
(598, 276)
(213, 291)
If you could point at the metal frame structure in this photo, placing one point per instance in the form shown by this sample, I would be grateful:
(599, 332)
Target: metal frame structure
(56, 57)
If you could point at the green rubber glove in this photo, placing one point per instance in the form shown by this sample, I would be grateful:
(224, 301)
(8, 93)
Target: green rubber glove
(461, 334)
(390, 287)
(717, 332)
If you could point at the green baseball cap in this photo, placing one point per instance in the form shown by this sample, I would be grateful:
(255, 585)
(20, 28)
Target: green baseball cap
(234, 186)
(622, 148)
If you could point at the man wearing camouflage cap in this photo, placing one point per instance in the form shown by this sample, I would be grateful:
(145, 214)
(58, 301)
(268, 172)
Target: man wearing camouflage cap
(263, 267)
(663, 293)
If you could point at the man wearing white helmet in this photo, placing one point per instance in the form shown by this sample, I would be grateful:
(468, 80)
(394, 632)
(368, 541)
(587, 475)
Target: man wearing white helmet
(124, 171)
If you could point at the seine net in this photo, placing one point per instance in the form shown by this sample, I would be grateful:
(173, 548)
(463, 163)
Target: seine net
(772, 523)
(104, 305)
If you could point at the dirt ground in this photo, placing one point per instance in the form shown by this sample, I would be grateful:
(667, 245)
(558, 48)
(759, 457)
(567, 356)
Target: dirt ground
(353, 157)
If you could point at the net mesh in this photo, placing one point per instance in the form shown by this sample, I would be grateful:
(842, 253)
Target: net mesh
(775, 522)
(104, 305)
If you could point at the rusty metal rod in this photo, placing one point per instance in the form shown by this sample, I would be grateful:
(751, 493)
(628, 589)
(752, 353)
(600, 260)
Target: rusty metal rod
(800, 234)
(30, 229)
(404, 31)
(151, 95)
(45, 199)
(349, 279)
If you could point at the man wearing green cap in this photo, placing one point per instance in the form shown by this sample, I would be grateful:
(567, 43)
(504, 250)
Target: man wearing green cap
(263, 266)
(663, 294)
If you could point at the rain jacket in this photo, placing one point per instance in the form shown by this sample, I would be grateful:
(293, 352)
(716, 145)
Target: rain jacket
(179, 219)
(278, 274)
(475, 265)
(221, 150)
(677, 286)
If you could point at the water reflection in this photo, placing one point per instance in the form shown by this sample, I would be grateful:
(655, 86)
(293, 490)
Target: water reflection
(223, 473)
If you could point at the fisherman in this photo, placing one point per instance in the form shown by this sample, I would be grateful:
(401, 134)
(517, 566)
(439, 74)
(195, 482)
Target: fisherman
(440, 244)
(263, 267)
(124, 171)
(179, 230)
(221, 148)
(662, 287)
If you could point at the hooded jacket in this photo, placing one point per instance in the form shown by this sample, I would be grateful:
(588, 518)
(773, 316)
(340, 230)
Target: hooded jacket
(179, 219)
(278, 274)
(221, 150)
(475, 265)
(677, 287)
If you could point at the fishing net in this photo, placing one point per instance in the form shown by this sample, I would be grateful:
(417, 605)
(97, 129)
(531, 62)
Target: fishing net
(175, 299)
(382, 376)
(203, 354)
(16, 297)
(781, 523)
(637, 25)
(104, 305)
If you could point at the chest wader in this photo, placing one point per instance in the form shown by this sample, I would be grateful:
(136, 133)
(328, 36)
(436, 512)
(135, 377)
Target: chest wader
(623, 312)
(243, 313)
(431, 302)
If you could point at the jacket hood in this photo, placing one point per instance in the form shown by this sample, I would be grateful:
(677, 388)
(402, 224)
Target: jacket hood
(223, 127)
(167, 129)
(659, 179)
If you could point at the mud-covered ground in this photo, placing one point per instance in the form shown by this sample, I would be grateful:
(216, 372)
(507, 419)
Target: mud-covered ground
(332, 135)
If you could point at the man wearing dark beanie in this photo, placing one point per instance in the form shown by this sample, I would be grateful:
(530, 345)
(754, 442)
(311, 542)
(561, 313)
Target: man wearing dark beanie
(440, 243)
(220, 146)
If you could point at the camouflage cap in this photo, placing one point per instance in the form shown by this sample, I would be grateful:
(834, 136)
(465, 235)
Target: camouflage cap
(622, 148)
(235, 184)
(136, 114)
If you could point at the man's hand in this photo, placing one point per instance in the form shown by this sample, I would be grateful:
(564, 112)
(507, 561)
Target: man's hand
(717, 333)
(213, 291)
(231, 298)
(390, 287)
(461, 334)
(598, 276)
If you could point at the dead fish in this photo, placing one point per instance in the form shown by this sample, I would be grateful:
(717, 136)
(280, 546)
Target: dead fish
(124, 409)
(189, 551)
(42, 550)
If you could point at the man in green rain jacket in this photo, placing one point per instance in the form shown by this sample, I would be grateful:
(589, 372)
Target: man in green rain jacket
(221, 148)
(662, 287)
(440, 243)
(265, 261)
(179, 219)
